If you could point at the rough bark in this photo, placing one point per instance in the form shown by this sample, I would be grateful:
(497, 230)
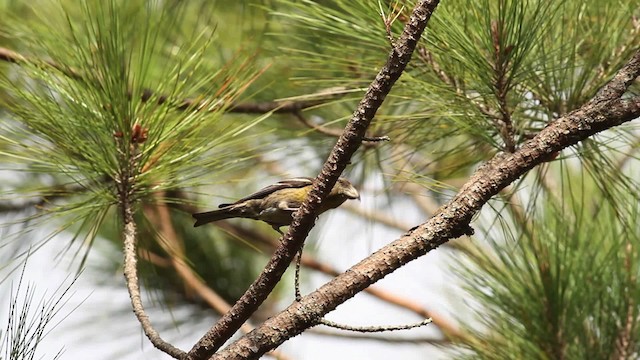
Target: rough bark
(452, 220)
(304, 218)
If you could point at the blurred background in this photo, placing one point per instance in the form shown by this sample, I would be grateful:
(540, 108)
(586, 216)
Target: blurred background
(203, 102)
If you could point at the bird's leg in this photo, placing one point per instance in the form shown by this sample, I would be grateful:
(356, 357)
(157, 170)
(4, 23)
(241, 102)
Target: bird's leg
(296, 280)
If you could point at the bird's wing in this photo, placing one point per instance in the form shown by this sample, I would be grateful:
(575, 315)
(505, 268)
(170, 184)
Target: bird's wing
(284, 184)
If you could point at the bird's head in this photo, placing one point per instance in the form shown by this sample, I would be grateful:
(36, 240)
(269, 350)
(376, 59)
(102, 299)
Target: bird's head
(341, 192)
(345, 189)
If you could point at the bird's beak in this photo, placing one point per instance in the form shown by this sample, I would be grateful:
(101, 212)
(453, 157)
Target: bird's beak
(352, 193)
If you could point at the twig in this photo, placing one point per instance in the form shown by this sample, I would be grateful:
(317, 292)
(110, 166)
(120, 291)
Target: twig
(500, 118)
(378, 217)
(428, 206)
(604, 111)
(425, 55)
(129, 232)
(373, 329)
(334, 132)
(371, 337)
(389, 20)
(172, 244)
(335, 325)
(280, 107)
(131, 276)
(304, 218)
(47, 195)
(501, 86)
(16, 58)
(153, 258)
(624, 340)
(628, 156)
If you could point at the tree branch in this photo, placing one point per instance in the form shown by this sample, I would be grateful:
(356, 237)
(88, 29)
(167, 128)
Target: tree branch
(375, 328)
(376, 337)
(46, 196)
(304, 218)
(452, 219)
(279, 107)
(446, 326)
(501, 86)
(173, 245)
(131, 275)
(334, 132)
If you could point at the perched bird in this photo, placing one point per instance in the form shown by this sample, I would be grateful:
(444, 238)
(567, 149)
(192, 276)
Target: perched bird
(275, 204)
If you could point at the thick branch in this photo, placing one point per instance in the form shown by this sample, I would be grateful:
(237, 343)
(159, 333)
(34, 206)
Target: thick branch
(451, 221)
(304, 218)
(448, 328)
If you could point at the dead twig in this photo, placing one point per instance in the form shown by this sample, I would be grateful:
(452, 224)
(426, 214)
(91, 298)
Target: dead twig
(335, 132)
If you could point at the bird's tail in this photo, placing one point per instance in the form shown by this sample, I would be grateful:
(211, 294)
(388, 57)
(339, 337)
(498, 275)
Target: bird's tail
(215, 215)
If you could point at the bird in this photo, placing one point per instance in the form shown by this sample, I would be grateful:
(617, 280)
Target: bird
(275, 204)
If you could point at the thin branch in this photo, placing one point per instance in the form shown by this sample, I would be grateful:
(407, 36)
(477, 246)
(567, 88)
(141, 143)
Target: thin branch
(378, 217)
(425, 55)
(16, 58)
(451, 221)
(373, 329)
(195, 283)
(46, 196)
(131, 275)
(280, 107)
(500, 118)
(422, 200)
(333, 132)
(153, 258)
(624, 340)
(360, 329)
(304, 218)
(501, 86)
(628, 156)
(370, 337)
(172, 244)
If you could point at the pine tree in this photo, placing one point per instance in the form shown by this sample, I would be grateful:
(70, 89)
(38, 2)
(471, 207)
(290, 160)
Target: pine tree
(506, 127)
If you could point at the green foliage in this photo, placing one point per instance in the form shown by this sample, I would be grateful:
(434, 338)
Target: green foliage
(101, 98)
(589, 43)
(481, 64)
(104, 89)
(566, 286)
(79, 111)
(118, 98)
(28, 323)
